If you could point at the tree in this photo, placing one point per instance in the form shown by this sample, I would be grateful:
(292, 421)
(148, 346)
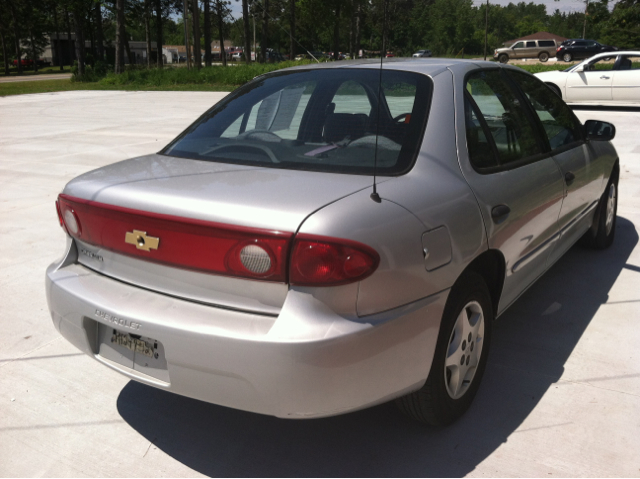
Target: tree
(264, 40)
(195, 9)
(120, 36)
(207, 33)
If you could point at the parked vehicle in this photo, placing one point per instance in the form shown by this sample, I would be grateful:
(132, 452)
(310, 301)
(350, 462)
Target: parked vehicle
(422, 53)
(237, 56)
(315, 244)
(541, 49)
(601, 79)
(580, 49)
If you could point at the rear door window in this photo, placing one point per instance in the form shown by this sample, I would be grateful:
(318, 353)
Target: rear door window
(512, 129)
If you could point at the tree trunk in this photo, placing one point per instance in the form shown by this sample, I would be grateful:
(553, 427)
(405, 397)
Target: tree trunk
(265, 31)
(57, 27)
(16, 36)
(99, 33)
(34, 54)
(186, 32)
(70, 46)
(357, 45)
(352, 24)
(147, 31)
(77, 24)
(223, 52)
(292, 29)
(197, 52)
(5, 57)
(336, 32)
(159, 32)
(120, 36)
(207, 33)
(247, 31)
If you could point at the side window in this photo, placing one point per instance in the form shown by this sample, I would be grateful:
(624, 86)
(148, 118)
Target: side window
(603, 64)
(547, 43)
(510, 126)
(479, 146)
(627, 63)
(519, 45)
(531, 44)
(560, 124)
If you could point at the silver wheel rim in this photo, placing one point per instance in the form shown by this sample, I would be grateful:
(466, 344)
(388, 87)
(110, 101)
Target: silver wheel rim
(464, 350)
(611, 208)
(567, 58)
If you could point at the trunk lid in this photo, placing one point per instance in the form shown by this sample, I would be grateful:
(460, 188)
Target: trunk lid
(194, 195)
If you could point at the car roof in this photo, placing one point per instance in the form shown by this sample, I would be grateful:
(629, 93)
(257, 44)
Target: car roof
(427, 66)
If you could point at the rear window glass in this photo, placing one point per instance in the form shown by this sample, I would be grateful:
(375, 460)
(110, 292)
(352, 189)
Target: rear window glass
(319, 120)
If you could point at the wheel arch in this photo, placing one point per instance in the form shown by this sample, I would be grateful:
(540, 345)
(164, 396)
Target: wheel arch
(491, 266)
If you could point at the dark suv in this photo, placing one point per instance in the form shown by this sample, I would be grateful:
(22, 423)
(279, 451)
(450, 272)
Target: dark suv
(581, 49)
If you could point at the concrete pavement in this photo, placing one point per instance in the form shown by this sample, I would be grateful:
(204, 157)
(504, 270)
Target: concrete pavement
(561, 395)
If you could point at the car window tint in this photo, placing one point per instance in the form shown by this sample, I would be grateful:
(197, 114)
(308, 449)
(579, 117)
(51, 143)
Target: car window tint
(318, 120)
(531, 44)
(546, 43)
(479, 146)
(559, 123)
(519, 45)
(511, 128)
(628, 63)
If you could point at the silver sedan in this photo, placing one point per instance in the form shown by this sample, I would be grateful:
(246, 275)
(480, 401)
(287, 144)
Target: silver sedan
(329, 238)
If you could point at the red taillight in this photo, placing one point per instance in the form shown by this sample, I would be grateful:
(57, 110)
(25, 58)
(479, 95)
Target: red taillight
(182, 242)
(60, 216)
(320, 261)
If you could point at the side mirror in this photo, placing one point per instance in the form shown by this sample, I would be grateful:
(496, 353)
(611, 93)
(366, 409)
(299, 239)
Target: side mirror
(579, 69)
(599, 130)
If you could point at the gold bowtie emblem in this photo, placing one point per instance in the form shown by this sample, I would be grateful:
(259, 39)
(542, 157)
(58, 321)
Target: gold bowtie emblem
(141, 240)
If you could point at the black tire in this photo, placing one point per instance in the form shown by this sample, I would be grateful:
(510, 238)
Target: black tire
(605, 221)
(433, 404)
(567, 57)
(503, 58)
(543, 57)
(555, 89)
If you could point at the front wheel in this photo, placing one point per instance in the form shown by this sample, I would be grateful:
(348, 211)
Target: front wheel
(460, 357)
(567, 57)
(543, 57)
(504, 58)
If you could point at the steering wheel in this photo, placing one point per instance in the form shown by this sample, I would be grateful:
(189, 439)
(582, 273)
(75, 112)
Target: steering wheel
(261, 135)
(400, 117)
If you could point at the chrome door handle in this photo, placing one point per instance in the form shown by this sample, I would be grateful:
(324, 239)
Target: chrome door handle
(604, 77)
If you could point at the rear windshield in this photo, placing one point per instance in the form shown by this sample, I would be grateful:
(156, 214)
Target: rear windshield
(318, 120)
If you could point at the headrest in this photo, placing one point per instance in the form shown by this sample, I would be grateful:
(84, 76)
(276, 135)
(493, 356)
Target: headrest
(339, 126)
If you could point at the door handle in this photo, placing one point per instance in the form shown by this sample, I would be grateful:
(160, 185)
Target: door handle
(604, 77)
(569, 177)
(500, 213)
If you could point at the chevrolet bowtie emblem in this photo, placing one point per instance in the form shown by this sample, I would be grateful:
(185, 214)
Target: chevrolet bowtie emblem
(141, 240)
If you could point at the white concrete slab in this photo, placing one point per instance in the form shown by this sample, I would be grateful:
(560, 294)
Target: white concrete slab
(561, 396)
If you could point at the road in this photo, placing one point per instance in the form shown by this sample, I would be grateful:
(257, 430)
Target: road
(53, 76)
(561, 395)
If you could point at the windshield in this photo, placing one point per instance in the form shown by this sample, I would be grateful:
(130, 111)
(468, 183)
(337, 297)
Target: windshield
(319, 120)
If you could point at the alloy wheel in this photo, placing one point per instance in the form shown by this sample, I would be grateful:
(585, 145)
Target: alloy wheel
(611, 208)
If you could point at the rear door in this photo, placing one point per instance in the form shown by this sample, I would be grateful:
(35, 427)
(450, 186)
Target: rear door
(517, 184)
(626, 79)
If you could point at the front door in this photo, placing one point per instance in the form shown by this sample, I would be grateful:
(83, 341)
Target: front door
(591, 85)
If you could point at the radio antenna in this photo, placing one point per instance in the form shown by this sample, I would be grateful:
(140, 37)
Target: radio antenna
(374, 195)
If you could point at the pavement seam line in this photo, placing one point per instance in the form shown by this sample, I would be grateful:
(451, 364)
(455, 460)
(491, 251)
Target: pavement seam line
(32, 351)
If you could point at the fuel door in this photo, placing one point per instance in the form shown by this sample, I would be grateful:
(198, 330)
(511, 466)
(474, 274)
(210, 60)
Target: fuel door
(436, 248)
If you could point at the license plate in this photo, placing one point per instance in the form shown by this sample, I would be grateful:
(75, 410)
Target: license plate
(134, 344)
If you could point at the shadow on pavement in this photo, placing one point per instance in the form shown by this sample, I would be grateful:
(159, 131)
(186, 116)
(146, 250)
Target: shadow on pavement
(532, 341)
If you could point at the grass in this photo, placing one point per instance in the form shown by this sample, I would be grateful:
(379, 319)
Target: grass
(13, 71)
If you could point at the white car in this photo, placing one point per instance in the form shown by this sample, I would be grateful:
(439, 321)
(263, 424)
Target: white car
(610, 77)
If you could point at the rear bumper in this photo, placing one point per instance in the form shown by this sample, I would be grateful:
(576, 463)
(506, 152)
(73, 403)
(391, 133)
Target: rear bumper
(306, 362)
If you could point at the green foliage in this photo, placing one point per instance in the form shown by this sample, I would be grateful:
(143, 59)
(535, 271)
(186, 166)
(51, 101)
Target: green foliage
(233, 75)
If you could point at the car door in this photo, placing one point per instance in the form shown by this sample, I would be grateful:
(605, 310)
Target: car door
(530, 50)
(592, 84)
(517, 184)
(626, 79)
(518, 50)
(582, 177)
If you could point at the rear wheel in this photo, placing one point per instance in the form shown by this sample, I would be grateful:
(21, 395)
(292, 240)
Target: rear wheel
(460, 357)
(543, 57)
(504, 58)
(567, 57)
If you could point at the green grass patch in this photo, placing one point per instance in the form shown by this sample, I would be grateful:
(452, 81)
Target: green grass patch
(13, 71)
(539, 67)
